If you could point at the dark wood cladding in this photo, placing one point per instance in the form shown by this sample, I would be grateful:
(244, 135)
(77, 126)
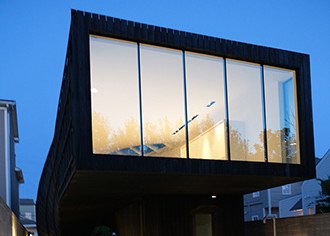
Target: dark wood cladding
(71, 164)
(60, 164)
(143, 33)
(87, 23)
(177, 215)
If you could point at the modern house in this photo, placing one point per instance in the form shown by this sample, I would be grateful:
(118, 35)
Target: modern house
(161, 132)
(10, 175)
(311, 189)
(279, 201)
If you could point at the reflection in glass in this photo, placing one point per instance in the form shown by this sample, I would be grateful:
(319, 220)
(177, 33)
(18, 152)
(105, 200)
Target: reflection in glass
(281, 115)
(205, 102)
(245, 111)
(115, 99)
(162, 102)
(116, 108)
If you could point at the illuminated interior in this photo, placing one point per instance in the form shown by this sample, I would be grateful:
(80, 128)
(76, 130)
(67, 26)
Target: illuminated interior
(281, 115)
(245, 111)
(155, 101)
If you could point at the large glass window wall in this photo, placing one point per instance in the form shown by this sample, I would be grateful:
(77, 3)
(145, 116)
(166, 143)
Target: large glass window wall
(162, 101)
(206, 106)
(281, 115)
(156, 101)
(245, 111)
(115, 96)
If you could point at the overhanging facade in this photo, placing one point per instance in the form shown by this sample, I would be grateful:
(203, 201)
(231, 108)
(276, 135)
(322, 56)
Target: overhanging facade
(151, 113)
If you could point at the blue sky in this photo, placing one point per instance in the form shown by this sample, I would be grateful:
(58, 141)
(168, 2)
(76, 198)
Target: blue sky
(34, 36)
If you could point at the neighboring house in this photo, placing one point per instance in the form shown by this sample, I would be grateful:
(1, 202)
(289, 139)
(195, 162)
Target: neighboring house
(28, 215)
(311, 189)
(10, 175)
(289, 200)
(161, 132)
(256, 204)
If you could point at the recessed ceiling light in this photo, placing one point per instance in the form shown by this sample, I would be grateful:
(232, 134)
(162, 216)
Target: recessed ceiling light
(213, 196)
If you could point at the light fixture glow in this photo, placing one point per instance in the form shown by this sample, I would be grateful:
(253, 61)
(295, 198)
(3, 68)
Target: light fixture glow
(94, 90)
(213, 196)
(210, 104)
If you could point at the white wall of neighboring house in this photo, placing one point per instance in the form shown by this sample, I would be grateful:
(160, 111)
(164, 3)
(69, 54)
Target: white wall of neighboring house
(311, 188)
(286, 204)
(308, 192)
(5, 182)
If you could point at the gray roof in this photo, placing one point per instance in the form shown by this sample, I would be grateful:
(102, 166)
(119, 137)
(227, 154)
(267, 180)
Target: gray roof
(26, 201)
(26, 221)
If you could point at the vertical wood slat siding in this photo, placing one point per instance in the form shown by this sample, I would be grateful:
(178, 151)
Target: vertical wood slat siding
(174, 216)
(56, 167)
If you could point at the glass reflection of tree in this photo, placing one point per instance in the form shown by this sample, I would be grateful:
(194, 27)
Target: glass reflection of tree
(100, 133)
(239, 146)
(107, 140)
(281, 144)
(289, 147)
(289, 138)
(126, 137)
(162, 133)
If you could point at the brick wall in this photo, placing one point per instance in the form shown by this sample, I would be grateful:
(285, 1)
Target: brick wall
(9, 223)
(315, 225)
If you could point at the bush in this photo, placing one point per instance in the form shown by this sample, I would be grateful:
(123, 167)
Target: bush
(323, 205)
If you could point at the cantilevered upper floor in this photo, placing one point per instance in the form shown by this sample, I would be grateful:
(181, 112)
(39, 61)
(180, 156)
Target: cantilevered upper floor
(149, 110)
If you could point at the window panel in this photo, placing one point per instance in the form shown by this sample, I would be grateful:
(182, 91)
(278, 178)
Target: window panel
(115, 98)
(205, 104)
(162, 102)
(255, 217)
(286, 189)
(281, 115)
(245, 111)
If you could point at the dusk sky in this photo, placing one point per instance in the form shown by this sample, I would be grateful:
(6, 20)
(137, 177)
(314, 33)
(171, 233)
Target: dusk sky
(34, 36)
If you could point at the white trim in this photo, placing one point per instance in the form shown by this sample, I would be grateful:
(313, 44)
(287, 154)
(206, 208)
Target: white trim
(7, 156)
(7, 143)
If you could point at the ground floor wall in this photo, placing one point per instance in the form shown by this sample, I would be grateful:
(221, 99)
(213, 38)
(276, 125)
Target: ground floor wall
(314, 225)
(9, 223)
(182, 215)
